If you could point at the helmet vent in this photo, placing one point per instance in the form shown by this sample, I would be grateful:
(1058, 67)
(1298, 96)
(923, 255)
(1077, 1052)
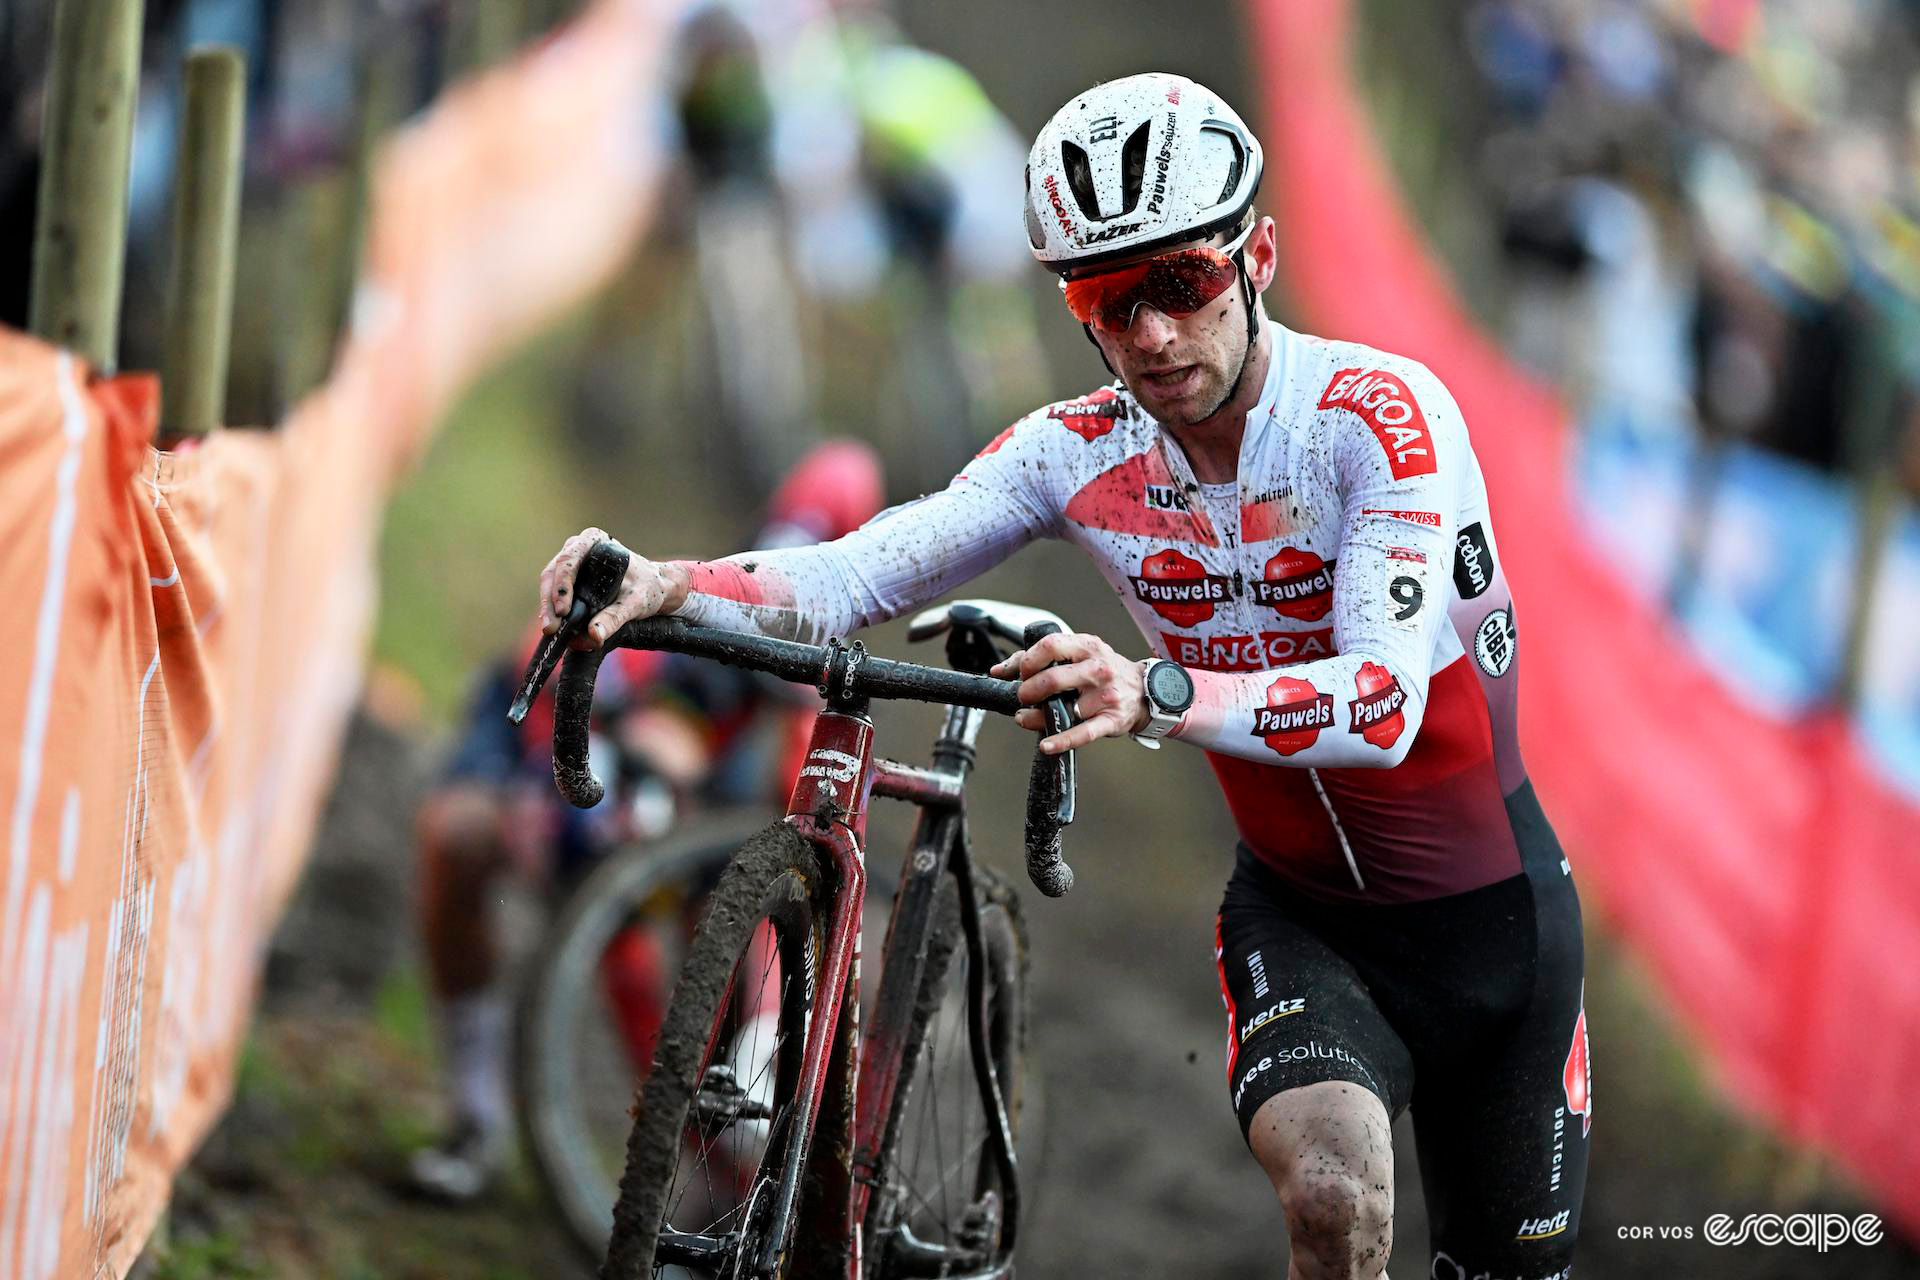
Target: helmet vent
(1036, 235)
(1080, 180)
(1133, 168)
(1234, 170)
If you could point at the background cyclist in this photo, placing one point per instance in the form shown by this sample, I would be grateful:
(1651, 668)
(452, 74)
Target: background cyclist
(686, 725)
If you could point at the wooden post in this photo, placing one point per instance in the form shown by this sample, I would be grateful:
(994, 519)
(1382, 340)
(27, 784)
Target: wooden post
(206, 222)
(326, 218)
(313, 225)
(80, 247)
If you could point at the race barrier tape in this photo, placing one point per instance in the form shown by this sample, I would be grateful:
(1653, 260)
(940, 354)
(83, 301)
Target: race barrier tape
(187, 632)
(1757, 860)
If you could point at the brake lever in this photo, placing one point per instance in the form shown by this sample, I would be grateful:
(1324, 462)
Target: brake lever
(1050, 791)
(595, 584)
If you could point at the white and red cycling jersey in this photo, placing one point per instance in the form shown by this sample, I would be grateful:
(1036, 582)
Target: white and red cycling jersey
(1342, 606)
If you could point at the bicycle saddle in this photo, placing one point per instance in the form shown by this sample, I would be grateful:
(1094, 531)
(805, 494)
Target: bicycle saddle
(1005, 621)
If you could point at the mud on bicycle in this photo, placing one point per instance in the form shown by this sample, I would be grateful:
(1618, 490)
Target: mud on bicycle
(772, 1137)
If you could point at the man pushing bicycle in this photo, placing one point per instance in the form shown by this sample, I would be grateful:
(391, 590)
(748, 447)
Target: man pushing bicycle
(1300, 530)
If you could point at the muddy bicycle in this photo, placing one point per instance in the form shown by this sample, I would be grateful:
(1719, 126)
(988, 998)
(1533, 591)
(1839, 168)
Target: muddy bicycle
(771, 1138)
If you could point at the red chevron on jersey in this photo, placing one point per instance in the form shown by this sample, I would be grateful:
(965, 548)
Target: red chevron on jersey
(1248, 653)
(1179, 588)
(1092, 416)
(1576, 1078)
(1295, 714)
(1268, 515)
(1139, 497)
(1297, 584)
(1388, 408)
(996, 442)
(1379, 713)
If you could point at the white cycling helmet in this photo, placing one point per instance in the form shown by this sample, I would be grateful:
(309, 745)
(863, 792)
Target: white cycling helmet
(1134, 164)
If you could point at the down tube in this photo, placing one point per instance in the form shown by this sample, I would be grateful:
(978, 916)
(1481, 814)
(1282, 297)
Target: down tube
(903, 956)
(832, 1044)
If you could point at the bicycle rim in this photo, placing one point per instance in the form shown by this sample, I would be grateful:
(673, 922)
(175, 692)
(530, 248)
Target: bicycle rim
(583, 1030)
(715, 1111)
(942, 1203)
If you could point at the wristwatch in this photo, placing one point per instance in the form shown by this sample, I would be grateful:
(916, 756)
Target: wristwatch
(1169, 693)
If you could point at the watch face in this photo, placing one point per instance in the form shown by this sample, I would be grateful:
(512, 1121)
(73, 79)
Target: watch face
(1170, 687)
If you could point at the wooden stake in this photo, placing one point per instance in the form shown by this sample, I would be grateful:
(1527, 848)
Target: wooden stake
(80, 247)
(206, 223)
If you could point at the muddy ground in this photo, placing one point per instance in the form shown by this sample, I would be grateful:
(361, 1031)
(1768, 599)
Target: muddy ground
(1144, 1172)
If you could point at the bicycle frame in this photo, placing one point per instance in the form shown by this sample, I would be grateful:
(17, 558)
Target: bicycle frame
(844, 1082)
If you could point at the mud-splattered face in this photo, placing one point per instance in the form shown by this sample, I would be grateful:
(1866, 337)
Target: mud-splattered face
(1184, 371)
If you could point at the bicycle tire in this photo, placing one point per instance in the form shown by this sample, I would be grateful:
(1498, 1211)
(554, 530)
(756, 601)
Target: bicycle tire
(936, 1057)
(560, 996)
(775, 878)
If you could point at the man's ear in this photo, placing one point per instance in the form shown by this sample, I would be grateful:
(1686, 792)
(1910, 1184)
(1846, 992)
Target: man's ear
(1263, 255)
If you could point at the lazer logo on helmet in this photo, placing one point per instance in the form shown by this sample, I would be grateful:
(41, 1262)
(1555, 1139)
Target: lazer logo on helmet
(1163, 161)
(1179, 588)
(1472, 561)
(1249, 653)
(1111, 233)
(1384, 403)
(1295, 714)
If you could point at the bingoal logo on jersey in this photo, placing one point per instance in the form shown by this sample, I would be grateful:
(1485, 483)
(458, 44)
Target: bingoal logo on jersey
(1249, 653)
(1388, 408)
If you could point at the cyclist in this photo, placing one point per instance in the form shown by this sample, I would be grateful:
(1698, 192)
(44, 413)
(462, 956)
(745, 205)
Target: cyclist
(1300, 530)
(684, 721)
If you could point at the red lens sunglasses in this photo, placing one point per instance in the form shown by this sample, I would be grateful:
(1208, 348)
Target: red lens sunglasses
(1175, 284)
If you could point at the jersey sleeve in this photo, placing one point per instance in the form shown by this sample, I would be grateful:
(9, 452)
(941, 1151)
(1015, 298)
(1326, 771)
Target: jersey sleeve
(905, 557)
(1398, 451)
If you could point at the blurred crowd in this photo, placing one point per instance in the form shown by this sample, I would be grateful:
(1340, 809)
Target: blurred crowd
(1711, 212)
(1729, 190)
(838, 163)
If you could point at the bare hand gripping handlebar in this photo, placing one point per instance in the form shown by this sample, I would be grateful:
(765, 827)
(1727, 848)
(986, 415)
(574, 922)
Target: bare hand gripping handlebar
(1050, 794)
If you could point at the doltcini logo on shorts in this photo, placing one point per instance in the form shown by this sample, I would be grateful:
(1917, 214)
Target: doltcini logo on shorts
(1179, 588)
(1377, 713)
(1295, 714)
(1297, 584)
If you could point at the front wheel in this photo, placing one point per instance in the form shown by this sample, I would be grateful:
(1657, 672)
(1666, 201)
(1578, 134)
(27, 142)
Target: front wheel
(591, 1006)
(722, 1093)
(942, 1205)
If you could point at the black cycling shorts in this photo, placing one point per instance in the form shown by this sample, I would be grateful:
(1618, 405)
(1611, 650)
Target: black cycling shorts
(1467, 1008)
